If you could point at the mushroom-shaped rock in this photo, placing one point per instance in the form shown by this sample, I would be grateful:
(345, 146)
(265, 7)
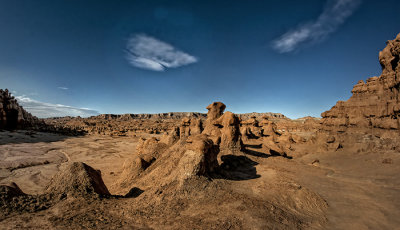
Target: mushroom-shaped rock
(215, 111)
(77, 179)
(230, 132)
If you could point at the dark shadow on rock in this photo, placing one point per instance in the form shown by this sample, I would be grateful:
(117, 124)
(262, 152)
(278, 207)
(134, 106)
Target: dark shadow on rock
(259, 146)
(134, 192)
(237, 168)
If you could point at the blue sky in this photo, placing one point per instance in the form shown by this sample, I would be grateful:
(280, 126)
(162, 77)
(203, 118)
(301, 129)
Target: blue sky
(298, 58)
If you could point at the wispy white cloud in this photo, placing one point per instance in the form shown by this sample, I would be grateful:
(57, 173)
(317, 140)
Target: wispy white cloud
(147, 52)
(44, 110)
(63, 88)
(335, 14)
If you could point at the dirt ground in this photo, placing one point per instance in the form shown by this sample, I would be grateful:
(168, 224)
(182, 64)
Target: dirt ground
(338, 190)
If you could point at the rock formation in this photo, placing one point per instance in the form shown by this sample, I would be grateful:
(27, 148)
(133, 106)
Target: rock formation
(12, 115)
(10, 190)
(190, 158)
(250, 128)
(77, 179)
(147, 152)
(190, 126)
(200, 157)
(374, 103)
(230, 132)
(215, 111)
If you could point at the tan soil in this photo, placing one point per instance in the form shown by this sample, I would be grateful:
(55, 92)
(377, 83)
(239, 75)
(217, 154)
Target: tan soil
(342, 190)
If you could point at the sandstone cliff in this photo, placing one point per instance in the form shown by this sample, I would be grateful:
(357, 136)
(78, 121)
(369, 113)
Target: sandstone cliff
(374, 103)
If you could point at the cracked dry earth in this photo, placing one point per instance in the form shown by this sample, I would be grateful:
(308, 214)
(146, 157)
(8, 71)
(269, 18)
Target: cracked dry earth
(339, 190)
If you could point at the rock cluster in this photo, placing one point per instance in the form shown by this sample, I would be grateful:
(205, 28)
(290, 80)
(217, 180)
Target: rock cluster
(189, 151)
(374, 103)
(189, 158)
(264, 135)
(12, 115)
(222, 128)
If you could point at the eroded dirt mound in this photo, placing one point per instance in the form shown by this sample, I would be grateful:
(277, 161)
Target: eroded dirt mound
(189, 157)
(13, 200)
(77, 179)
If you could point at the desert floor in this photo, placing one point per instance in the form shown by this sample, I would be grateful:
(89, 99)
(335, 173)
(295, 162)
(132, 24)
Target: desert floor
(361, 190)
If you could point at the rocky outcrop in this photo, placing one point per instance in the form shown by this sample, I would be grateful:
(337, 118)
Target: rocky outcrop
(230, 132)
(223, 128)
(189, 158)
(187, 152)
(12, 115)
(147, 152)
(190, 126)
(199, 159)
(374, 103)
(215, 111)
(8, 191)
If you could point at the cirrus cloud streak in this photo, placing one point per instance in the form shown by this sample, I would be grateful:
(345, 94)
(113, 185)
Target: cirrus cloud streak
(335, 14)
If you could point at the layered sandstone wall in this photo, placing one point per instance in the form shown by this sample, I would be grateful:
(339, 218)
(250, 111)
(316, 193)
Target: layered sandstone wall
(374, 103)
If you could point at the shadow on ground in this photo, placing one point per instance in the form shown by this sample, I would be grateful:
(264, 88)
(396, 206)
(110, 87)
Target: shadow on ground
(27, 136)
(238, 168)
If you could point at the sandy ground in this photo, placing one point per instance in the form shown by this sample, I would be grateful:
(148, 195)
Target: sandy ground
(361, 190)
